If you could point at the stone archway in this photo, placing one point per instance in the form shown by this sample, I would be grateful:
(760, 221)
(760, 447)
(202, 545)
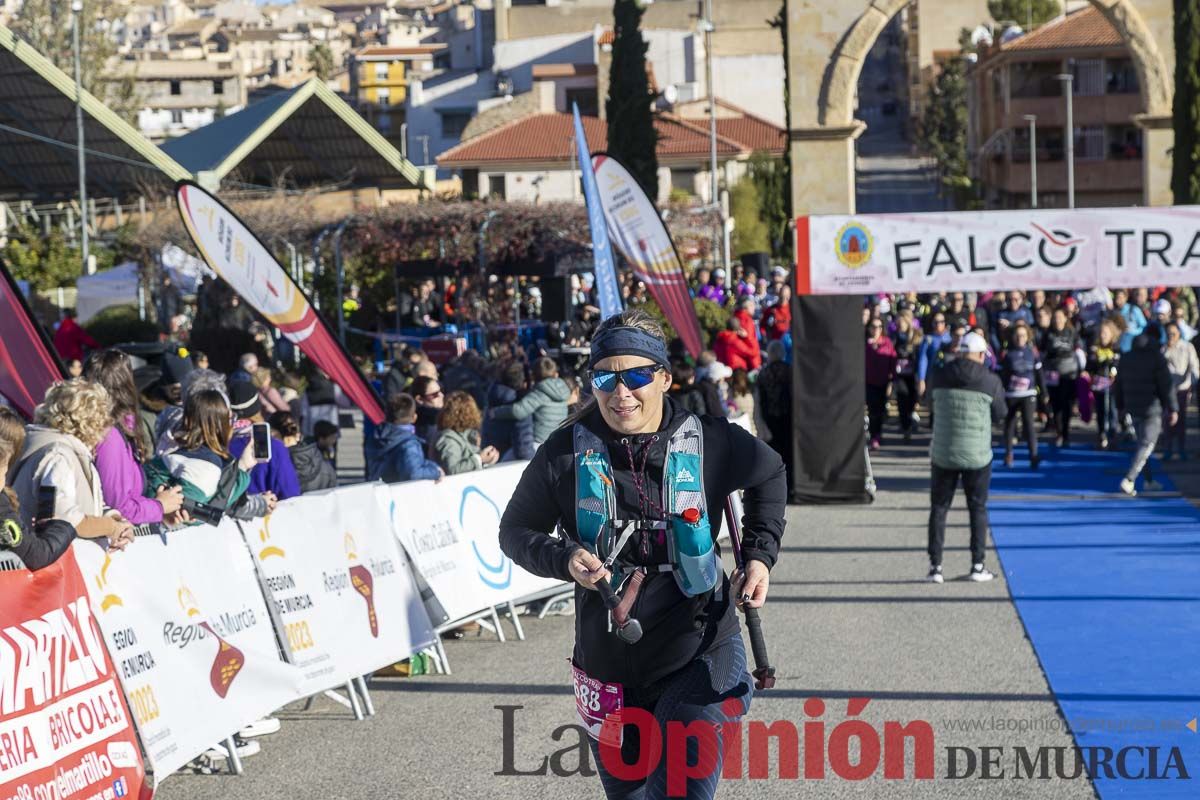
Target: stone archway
(830, 40)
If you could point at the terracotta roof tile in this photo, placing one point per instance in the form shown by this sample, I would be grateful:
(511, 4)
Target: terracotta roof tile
(1086, 28)
(548, 137)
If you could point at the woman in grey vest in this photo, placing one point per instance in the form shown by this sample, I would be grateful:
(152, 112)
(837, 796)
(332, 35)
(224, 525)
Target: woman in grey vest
(636, 486)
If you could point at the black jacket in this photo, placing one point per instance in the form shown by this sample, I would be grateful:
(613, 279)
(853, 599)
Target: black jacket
(677, 629)
(313, 470)
(1059, 355)
(42, 543)
(1144, 386)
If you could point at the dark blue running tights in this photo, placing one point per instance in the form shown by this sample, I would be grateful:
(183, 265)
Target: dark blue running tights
(696, 693)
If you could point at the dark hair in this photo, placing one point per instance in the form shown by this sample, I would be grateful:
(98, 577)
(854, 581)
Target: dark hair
(513, 375)
(113, 370)
(544, 368)
(460, 413)
(206, 423)
(683, 373)
(284, 424)
(420, 386)
(401, 408)
(323, 428)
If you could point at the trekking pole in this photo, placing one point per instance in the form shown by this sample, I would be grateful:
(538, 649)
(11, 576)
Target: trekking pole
(764, 673)
(629, 630)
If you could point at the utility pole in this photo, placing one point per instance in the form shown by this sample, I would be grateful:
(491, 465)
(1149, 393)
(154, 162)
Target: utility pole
(76, 12)
(707, 26)
(1032, 120)
(1069, 91)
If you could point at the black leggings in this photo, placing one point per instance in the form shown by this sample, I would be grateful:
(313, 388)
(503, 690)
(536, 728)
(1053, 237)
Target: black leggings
(906, 399)
(1062, 400)
(876, 409)
(1025, 406)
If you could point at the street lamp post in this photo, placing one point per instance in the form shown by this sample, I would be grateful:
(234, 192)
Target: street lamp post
(707, 26)
(1032, 120)
(1069, 91)
(76, 11)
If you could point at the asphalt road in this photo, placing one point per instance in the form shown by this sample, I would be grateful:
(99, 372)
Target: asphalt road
(889, 176)
(847, 617)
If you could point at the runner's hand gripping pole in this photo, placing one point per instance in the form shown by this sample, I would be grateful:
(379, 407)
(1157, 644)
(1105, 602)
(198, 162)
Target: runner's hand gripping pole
(629, 630)
(764, 673)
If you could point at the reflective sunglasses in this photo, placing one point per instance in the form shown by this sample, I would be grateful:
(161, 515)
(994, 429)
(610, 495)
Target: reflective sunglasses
(634, 378)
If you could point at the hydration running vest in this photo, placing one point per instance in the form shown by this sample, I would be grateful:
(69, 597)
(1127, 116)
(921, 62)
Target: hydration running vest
(693, 556)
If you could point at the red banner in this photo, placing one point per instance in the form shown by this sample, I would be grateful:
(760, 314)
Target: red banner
(65, 730)
(242, 261)
(639, 233)
(28, 364)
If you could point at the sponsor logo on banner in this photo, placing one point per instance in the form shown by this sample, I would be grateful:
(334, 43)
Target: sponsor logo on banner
(344, 602)
(854, 245)
(451, 531)
(363, 582)
(186, 622)
(65, 730)
(498, 575)
(996, 250)
(228, 660)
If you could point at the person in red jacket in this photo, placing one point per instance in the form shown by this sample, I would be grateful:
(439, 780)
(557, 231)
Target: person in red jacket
(745, 317)
(777, 319)
(733, 346)
(881, 369)
(70, 339)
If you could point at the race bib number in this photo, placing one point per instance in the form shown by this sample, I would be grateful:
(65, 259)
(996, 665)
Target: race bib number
(904, 366)
(1101, 383)
(1018, 384)
(1051, 378)
(595, 700)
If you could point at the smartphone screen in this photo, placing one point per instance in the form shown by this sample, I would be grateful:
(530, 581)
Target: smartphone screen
(46, 496)
(261, 437)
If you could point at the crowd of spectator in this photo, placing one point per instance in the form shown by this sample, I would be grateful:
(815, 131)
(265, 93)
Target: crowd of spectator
(1125, 359)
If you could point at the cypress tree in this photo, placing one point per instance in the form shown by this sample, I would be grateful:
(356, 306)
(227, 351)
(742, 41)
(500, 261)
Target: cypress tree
(1185, 183)
(631, 134)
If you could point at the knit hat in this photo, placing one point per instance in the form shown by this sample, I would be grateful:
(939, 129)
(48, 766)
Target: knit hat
(174, 368)
(243, 399)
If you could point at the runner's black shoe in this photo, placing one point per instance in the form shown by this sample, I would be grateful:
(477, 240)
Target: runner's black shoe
(935, 574)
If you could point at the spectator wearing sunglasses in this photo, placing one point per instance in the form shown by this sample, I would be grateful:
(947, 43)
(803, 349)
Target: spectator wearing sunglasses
(430, 399)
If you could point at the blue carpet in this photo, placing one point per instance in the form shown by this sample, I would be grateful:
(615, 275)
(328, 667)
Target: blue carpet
(1108, 588)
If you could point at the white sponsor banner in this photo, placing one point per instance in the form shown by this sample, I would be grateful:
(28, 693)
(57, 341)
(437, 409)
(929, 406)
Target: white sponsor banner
(189, 633)
(995, 250)
(451, 530)
(340, 583)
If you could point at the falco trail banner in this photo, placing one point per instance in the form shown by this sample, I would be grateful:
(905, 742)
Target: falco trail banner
(237, 255)
(996, 250)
